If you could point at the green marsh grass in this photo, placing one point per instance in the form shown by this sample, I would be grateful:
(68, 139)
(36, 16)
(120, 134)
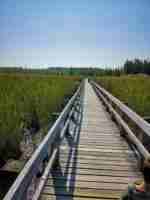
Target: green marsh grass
(133, 90)
(22, 94)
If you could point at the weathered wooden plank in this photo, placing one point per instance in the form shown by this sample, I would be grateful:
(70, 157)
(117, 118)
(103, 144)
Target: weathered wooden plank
(93, 178)
(104, 146)
(98, 140)
(83, 192)
(101, 138)
(94, 158)
(100, 167)
(96, 129)
(99, 130)
(54, 197)
(106, 126)
(119, 154)
(97, 122)
(86, 184)
(114, 152)
(98, 172)
(100, 162)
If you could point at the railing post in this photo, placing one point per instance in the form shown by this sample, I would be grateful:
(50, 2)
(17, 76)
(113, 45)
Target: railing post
(56, 162)
(140, 163)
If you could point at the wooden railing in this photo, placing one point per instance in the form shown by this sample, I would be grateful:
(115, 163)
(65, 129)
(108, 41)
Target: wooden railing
(132, 126)
(30, 181)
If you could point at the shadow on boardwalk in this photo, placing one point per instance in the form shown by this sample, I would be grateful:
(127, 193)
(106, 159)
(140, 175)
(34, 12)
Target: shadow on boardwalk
(64, 177)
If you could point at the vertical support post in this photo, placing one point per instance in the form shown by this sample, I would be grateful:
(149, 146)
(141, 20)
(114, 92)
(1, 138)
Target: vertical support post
(140, 163)
(56, 163)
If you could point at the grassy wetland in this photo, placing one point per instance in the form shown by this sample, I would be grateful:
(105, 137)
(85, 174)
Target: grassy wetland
(134, 90)
(34, 95)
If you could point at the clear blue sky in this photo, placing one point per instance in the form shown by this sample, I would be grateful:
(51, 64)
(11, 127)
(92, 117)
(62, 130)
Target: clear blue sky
(73, 32)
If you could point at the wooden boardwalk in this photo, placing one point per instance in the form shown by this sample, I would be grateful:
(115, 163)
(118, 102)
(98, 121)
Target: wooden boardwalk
(95, 162)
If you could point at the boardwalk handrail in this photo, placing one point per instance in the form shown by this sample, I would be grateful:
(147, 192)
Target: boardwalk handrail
(44, 152)
(111, 102)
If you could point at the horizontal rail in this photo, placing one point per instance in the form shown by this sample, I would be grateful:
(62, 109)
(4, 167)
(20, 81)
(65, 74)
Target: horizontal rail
(139, 121)
(43, 153)
(38, 191)
(102, 93)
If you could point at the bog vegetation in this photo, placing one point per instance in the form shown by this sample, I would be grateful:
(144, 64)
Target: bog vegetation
(23, 95)
(24, 92)
(132, 90)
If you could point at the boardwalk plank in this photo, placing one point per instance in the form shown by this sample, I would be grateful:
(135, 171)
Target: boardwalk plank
(84, 192)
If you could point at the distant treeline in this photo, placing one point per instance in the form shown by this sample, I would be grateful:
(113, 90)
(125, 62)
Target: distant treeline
(137, 66)
(130, 67)
(85, 71)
